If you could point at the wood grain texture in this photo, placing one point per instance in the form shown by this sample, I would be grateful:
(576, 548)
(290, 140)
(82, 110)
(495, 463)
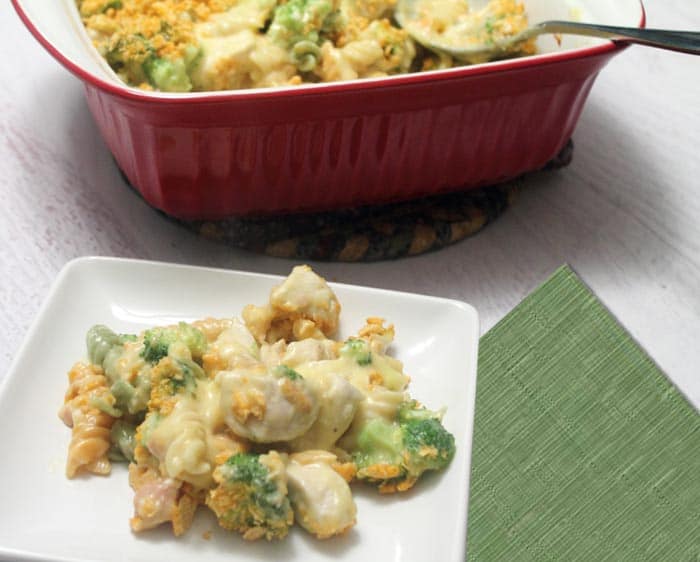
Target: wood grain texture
(625, 214)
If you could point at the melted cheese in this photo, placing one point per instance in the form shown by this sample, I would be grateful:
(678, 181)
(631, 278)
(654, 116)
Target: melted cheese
(306, 395)
(183, 440)
(339, 401)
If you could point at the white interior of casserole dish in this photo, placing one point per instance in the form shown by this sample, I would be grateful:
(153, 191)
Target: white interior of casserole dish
(58, 25)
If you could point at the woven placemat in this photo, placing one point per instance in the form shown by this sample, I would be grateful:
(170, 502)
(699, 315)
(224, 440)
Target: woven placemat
(371, 233)
(583, 450)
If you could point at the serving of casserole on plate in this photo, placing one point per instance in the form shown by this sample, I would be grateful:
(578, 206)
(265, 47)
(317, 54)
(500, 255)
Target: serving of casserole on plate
(86, 518)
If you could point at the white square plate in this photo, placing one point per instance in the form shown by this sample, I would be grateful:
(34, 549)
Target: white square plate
(43, 515)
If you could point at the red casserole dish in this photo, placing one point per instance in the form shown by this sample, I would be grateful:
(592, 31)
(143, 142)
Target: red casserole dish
(318, 147)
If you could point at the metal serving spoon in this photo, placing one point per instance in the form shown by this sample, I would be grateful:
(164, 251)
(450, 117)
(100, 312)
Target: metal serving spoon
(406, 13)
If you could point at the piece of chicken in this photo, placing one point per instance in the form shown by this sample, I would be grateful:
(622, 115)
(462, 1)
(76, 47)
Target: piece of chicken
(302, 306)
(339, 401)
(320, 496)
(266, 407)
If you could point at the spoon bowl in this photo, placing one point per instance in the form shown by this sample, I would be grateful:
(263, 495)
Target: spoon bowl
(475, 41)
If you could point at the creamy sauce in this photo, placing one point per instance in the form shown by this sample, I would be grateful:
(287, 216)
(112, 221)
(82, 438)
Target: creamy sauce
(453, 24)
(214, 388)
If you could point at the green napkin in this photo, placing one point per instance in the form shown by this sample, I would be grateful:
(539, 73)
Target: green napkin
(583, 449)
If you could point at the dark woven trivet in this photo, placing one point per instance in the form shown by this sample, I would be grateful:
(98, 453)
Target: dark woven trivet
(371, 233)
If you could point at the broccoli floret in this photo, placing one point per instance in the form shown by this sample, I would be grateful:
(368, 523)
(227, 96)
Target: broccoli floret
(176, 375)
(379, 443)
(251, 496)
(139, 60)
(297, 20)
(394, 454)
(429, 446)
(357, 349)
(126, 55)
(184, 376)
(171, 379)
(167, 75)
(301, 26)
(157, 341)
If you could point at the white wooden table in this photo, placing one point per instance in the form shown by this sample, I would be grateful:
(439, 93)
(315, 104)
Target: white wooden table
(625, 214)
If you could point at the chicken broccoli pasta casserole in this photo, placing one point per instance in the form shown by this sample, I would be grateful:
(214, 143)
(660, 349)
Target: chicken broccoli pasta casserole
(264, 419)
(203, 45)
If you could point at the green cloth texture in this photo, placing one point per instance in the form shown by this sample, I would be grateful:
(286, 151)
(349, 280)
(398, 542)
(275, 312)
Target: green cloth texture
(583, 450)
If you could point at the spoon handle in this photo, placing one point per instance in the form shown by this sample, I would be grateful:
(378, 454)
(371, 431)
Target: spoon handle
(683, 41)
